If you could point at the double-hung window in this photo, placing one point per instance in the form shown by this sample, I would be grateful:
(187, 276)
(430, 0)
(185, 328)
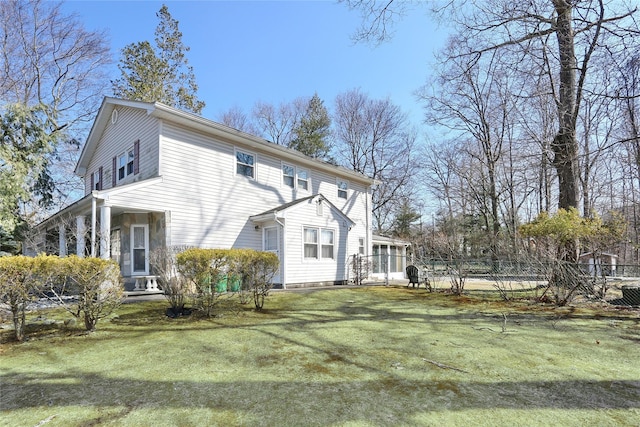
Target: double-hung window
(288, 175)
(310, 242)
(318, 243)
(96, 180)
(343, 187)
(245, 164)
(327, 244)
(303, 179)
(122, 166)
(295, 177)
(130, 159)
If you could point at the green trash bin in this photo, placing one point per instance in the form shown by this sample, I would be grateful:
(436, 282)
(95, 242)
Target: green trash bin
(221, 286)
(233, 283)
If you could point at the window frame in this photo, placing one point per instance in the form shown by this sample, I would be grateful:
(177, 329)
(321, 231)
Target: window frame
(253, 166)
(309, 244)
(292, 176)
(125, 164)
(320, 244)
(296, 180)
(324, 245)
(306, 180)
(96, 180)
(342, 190)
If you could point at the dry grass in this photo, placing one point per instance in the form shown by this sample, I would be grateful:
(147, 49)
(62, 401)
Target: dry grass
(350, 357)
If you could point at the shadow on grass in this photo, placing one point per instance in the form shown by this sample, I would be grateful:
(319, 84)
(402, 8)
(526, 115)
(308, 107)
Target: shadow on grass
(375, 399)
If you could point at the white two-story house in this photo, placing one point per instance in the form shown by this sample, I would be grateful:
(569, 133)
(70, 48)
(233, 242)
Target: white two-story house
(159, 177)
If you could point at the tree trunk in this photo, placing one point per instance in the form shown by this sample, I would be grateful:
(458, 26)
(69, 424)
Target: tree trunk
(565, 145)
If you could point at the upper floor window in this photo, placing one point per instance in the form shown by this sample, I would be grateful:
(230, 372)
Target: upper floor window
(343, 186)
(295, 177)
(126, 163)
(361, 245)
(303, 179)
(288, 175)
(245, 164)
(96, 180)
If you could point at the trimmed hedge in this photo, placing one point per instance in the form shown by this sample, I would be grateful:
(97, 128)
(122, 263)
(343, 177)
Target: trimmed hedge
(216, 271)
(94, 282)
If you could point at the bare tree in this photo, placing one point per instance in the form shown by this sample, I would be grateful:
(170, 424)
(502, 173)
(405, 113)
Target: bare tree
(553, 40)
(47, 58)
(276, 123)
(373, 137)
(236, 118)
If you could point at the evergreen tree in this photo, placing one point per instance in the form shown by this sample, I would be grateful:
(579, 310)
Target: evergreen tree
(311, 134)
(161, 73)
(405, 218)
(26, 140)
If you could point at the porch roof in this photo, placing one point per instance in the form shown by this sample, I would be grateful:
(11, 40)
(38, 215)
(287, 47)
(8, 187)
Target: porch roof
(84, 204)
(383, 240)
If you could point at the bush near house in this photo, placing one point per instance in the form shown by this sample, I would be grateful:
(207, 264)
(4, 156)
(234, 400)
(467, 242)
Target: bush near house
(97, 284)
(213, 272)
(93, 283)
(22, 280)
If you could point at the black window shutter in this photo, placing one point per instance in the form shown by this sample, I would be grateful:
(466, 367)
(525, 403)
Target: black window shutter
(100, 178)
(92, 183)
(115, 172)
(136, 157)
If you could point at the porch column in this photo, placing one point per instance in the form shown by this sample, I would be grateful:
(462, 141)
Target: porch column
(105, 231)
(62, 240)
(388, 269)
(93, 227)
(81, 229)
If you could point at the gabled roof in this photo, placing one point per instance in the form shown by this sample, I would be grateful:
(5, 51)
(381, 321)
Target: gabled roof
(279, 211)
(193, 121)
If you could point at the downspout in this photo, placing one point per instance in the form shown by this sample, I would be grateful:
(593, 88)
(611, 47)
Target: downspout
(283, 276)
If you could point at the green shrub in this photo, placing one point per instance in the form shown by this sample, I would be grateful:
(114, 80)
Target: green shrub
(97, 284)
(216, 271)
(257, 269)
(22, 280)
(205, 269)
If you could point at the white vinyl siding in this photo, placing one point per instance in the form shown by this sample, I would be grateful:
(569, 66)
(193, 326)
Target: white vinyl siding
(131, 125)
(208, 206)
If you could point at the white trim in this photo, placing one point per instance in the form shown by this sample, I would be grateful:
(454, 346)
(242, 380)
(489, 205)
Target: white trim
(146, 250)
(294, 177)
(237, 150)
(338, 189)
(319, 257)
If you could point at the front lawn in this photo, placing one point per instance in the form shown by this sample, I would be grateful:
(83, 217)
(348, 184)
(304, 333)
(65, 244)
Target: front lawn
(370, 356)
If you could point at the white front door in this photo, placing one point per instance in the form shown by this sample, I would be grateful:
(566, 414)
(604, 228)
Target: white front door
(139, 250)
(271, 243)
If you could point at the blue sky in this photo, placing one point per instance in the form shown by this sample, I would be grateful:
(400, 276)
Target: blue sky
(276, 51)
